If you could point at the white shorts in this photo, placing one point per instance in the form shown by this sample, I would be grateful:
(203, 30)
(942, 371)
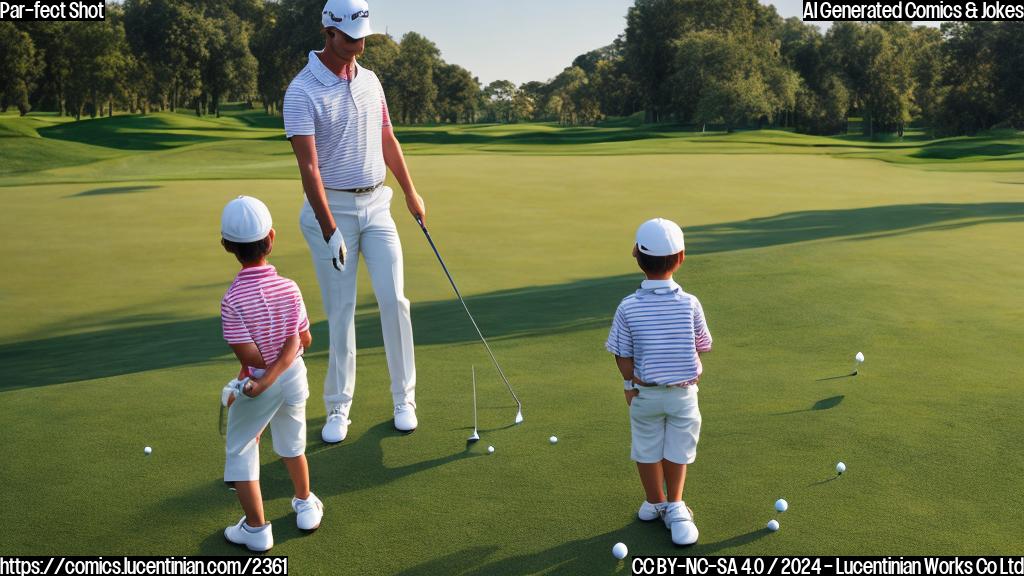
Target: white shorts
(283, 407)
(665, 424)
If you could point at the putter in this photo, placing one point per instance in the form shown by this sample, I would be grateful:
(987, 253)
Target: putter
(519, 412)
(475, 435)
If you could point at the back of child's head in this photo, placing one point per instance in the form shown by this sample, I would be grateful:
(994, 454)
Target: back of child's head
(245, 229)
(659, 243)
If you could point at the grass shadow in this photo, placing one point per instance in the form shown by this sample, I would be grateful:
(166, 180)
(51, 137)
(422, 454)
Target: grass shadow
(823, 404)
(113, 190)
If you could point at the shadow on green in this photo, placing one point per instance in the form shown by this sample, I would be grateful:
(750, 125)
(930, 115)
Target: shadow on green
(113, 190)
(519, 312)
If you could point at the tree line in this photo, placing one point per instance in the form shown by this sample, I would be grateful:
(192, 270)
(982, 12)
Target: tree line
(729, 63)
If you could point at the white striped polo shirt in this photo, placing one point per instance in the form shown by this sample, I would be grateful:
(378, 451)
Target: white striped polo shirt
(263, 308)
(346, 119)
(662, 328)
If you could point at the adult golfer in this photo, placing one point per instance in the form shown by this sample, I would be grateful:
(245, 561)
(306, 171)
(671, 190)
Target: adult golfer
(337, 120)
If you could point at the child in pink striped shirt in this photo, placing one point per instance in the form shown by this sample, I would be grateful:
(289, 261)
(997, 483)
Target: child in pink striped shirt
(264, 321)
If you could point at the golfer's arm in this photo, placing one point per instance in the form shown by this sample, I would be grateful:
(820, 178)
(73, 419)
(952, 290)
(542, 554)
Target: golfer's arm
(625, 367)
(249, 355)
(395, 160)
(304, 148)
(289, 351)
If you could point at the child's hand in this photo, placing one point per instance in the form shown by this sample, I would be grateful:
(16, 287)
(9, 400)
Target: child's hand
(630, 394)
(254, 388)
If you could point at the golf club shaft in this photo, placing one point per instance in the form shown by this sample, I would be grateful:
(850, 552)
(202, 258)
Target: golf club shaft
(466, 308)
(474, 398)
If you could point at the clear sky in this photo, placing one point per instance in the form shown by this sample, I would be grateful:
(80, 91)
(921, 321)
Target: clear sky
(517, 40)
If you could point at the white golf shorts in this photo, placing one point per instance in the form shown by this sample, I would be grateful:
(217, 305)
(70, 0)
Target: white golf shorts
(664, 424)
(283, 407)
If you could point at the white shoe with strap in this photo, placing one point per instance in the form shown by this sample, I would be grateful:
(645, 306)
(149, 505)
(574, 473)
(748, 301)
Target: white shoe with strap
(679, 519)
(255, 539)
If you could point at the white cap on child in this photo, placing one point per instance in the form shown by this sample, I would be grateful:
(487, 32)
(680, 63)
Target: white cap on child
(660, 237)
(245, 219)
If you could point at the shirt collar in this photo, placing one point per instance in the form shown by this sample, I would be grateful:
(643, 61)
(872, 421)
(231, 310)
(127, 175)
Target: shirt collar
(321, 72)
(660, 286)
(257, 271)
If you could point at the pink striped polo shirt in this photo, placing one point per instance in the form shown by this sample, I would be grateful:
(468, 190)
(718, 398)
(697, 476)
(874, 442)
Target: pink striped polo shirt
(263, 308)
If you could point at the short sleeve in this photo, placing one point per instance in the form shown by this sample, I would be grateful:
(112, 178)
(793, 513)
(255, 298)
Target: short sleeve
(701, 334)
(298, 113)
(303, 318)
(232, 325)
(620, 339)
(385, 116)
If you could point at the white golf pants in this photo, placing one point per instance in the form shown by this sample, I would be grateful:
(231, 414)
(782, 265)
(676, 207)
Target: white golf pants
(365, 223)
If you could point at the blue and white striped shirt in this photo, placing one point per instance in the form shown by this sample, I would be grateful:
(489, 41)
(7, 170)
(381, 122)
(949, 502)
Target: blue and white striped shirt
(346, 120)
(662, 329)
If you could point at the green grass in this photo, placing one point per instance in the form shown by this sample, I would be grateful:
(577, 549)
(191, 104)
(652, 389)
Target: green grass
(803, 250)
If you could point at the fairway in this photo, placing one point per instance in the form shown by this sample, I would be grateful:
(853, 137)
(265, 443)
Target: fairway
(803, 250)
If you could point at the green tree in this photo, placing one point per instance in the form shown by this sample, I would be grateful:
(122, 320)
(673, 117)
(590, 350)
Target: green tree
(19, 67)
(500, 96)
(414, 78)
(457, 92)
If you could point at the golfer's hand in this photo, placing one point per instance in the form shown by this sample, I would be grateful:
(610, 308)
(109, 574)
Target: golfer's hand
(630, 394)
(416, 207)
(336, 244)
(253, 388)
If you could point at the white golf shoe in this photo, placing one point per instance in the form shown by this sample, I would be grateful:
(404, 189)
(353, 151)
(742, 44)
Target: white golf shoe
(649, 512)
(336, 428)
(679, 519)
(259, 541)
(405, 418)
(308, 512)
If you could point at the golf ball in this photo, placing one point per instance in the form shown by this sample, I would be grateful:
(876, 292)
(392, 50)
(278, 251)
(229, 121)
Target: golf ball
(553, 439)
(773, 525)
(147, 450)
(840, 468)
(781, 505)
(620, 550)
(490, 449)
(859, 357)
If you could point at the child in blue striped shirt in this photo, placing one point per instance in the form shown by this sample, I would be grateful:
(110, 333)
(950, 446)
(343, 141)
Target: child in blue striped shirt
(656, 336)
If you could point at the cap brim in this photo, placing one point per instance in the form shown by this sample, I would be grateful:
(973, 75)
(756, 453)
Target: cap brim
(358, 29)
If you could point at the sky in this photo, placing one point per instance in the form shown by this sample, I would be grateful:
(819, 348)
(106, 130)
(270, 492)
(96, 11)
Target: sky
(519, 40)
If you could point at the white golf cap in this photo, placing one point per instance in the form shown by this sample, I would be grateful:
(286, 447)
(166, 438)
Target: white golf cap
(245, 219)
(350, 16)
(660, 237)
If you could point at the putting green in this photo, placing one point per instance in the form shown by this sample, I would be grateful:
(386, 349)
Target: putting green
(803, 250)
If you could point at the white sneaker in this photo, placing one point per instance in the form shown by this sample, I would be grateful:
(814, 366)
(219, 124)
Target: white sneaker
(679, 519)
(649, 512)
(405, 418)
(259, 541)
(336, 428)
(308, 512)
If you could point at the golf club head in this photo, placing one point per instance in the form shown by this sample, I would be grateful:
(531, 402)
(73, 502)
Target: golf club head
(519, 416)
(474, 437)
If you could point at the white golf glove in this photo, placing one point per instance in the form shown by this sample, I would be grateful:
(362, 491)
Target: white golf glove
(336, 244)
(233, 388)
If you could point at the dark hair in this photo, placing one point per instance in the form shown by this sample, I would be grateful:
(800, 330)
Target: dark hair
(656, 265)
(248, 252)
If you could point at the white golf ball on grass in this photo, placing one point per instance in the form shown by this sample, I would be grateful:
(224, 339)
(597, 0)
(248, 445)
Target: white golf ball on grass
(147, 450)
(490, 449)
(773, 525)
(620, 550)
(840, 468)
(553, 439)
(859, 357)
(781, 505)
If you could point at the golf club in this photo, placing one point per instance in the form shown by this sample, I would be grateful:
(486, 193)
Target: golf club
(519, 413)
(475, 435)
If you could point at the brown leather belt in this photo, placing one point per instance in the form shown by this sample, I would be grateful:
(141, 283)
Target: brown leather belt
(640, 382)
(365, 190)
